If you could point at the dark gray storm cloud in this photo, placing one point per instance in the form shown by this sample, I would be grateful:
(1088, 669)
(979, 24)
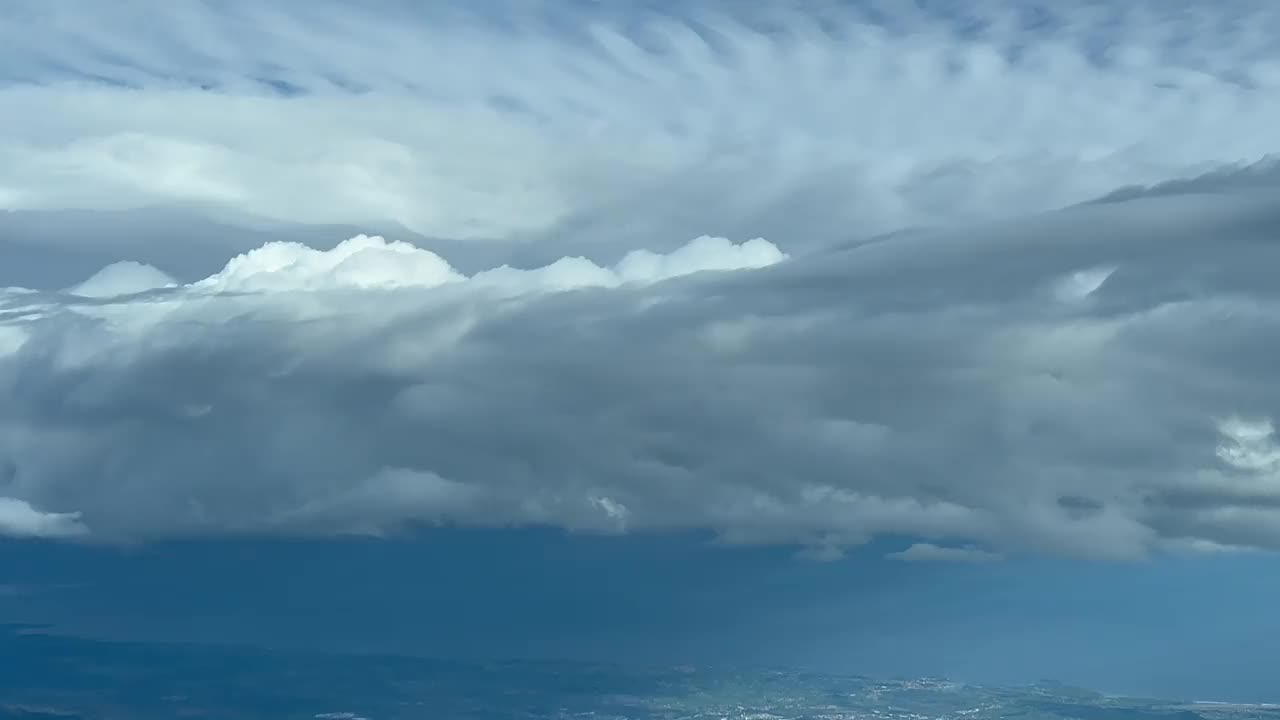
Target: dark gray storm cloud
(1096, 381)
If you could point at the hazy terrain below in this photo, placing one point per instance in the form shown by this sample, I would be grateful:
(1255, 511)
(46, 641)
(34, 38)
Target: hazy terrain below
(48, 676)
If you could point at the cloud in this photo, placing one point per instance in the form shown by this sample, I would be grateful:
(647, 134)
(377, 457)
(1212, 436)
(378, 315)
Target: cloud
(928, 552)
(934, 341)
(122, 278)
(374, 263)
(288, 288)
(937, 385)
(594, 126)
(19, 519)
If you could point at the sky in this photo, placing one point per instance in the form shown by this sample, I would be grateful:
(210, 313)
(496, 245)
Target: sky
(901, 338)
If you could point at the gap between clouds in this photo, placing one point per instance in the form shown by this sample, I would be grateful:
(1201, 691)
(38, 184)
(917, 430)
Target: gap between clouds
(1095, 382)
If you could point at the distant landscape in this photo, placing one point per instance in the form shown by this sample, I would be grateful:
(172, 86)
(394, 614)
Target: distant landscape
(52, 676)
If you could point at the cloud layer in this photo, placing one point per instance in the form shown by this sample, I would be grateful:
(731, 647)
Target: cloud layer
(1097, 382)
(934, 341)
(586, 125)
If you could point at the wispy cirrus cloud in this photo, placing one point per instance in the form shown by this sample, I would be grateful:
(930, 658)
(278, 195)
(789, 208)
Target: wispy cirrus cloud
(597, 126)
